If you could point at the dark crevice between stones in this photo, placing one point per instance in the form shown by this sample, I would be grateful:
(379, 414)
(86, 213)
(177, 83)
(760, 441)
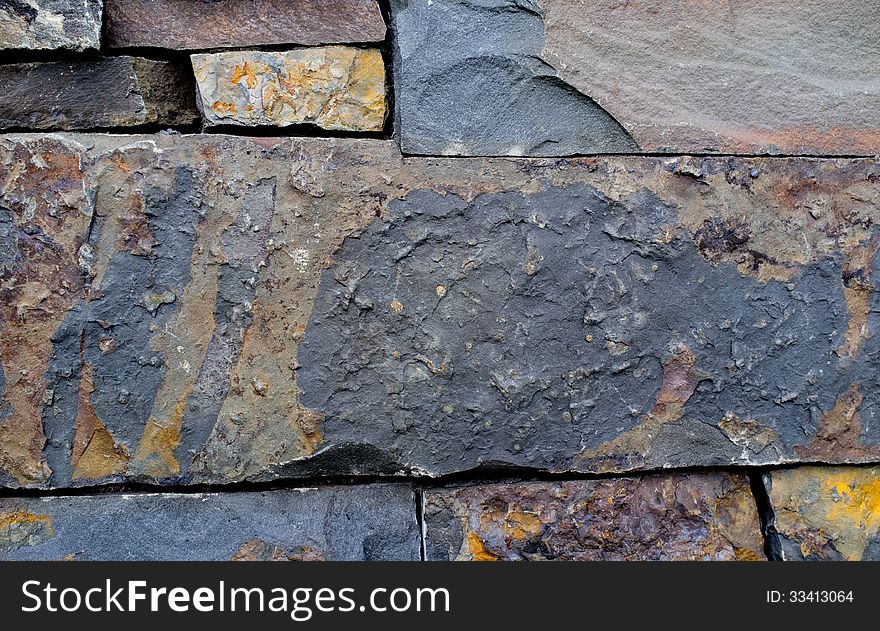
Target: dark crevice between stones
(419, 496)
(149, 128)
(772, 545)
(387, 50)
(304, 130)
(320, 476)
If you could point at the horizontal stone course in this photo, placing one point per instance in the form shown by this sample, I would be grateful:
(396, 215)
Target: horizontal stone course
(50, 25)
(365, 523)
(563, 77)
(680, 517)
(334, 87)
(191, 309)
(107, 92)
(232, 23)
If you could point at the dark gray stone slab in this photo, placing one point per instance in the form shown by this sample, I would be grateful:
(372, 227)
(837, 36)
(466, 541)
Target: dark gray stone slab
(109, 92)
(361, 523)
(470, 81)
(50, 24)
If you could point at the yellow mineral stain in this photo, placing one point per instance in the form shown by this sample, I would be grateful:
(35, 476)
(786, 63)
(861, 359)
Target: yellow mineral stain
(94, 454)
(477, 550)
(23, 518)
(102, 457)
(157, 445)
(249, 72)
(223, 108)
(854, 507)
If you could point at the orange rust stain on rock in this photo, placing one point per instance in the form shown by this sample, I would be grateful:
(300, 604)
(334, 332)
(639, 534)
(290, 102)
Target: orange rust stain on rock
(95, 454)
(857, 289)
(43, 192)
(158, 443)
(838, 436)
(255, 549)
(22, 528)
(477, 549)
(21, 518)
(680, 379)
(248, 71)
(223, 108)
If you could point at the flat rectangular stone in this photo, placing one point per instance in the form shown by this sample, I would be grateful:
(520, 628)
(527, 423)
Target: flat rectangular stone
(198, 25)
(334, 87)
(208, 308)
(107, 92)
(363, 523)
(564, 77)
(670, 517)
(50, 24)
(825, 513)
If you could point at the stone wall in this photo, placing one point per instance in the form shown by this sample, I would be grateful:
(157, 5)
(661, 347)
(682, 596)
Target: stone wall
(439, 279)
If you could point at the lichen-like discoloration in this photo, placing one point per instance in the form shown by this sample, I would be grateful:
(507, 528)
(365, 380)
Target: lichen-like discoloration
(334, 87)
(50, 24)
(660, 517)
(830, 513)
(19, 528)
(202, 326)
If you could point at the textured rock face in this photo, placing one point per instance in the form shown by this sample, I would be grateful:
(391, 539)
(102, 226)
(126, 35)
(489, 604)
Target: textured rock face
(110, 92)
(50, 24)
(334, 87)
(210, 309)
(372, 523)
(194, 25)
(555, 77)
(827, 513)
(469, 81)
(660, 517)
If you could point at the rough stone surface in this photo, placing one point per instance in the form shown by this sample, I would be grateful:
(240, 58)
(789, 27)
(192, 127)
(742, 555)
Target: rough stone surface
(109, 92)
(680, 517)
(200, 25)
(333, 87)
(551, 77)
(209, 309)
(365, 523)
(826, 513)
(50, 24)
(793, 76)
(469, 81)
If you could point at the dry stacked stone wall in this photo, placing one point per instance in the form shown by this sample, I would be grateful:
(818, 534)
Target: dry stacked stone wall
(439, 279)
